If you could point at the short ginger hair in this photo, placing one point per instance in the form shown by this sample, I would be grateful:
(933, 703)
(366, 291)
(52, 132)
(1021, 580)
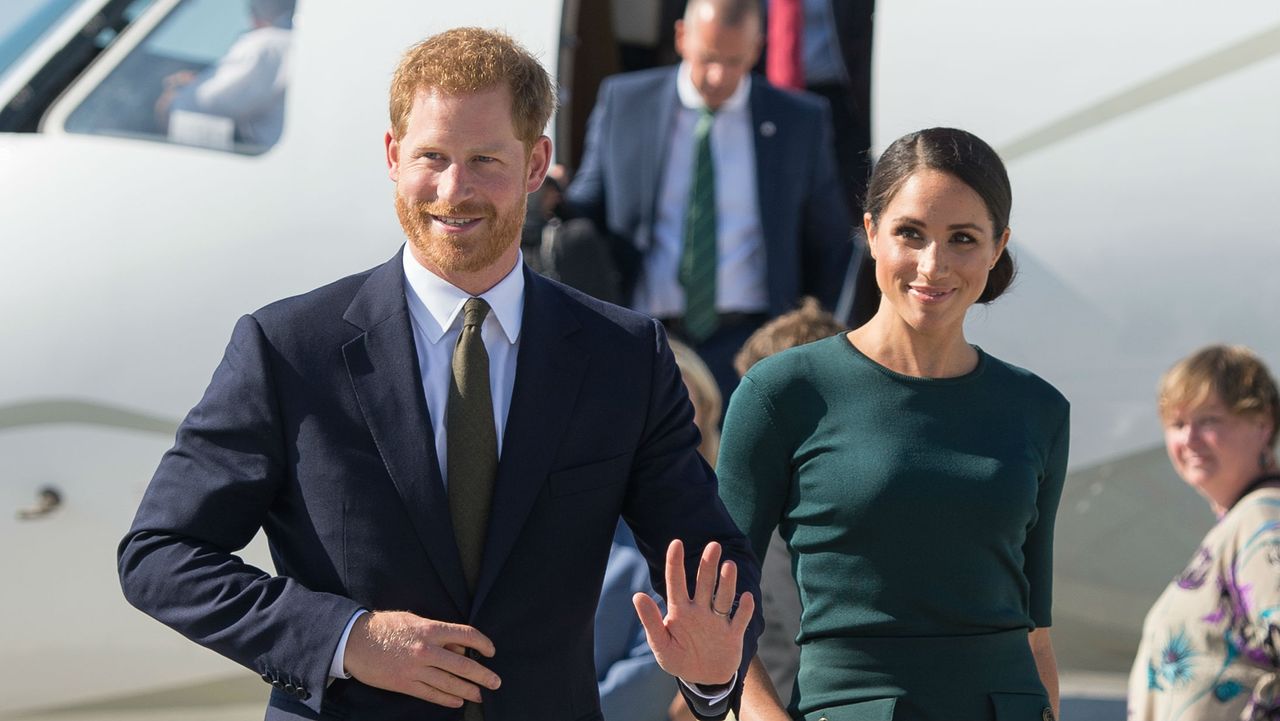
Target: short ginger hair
(462, 61)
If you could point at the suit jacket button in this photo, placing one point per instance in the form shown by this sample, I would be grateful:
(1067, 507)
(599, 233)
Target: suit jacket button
(304, 694)
(1046, 714)
(277, 683)
(266, 677)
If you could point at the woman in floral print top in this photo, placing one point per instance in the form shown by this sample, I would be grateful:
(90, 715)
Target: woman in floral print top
(1211, 643)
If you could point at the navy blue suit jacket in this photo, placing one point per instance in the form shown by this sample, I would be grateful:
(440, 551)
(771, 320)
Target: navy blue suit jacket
(314, 428)
(803, 216)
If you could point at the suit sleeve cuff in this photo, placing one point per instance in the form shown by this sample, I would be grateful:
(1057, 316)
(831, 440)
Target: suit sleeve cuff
(337, 669)
(710, 696)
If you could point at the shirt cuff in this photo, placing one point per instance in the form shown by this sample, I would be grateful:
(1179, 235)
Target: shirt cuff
(711, 699)
(337, 668)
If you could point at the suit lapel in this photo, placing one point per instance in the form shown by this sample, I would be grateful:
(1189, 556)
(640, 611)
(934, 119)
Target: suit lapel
(383, 365)
(655, 137)
(770, 168)
(549, 371)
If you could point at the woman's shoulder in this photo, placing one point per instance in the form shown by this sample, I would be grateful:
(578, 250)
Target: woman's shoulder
(803, 364)
(1250, 531)
(1023, 383)
(1258, 511)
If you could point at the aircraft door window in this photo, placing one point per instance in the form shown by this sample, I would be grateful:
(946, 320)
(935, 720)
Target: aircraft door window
(211, 74)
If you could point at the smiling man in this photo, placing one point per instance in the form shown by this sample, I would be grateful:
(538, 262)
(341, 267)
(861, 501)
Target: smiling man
(439, 450)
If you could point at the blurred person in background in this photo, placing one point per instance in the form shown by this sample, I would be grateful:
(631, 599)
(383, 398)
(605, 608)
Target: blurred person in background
(1209, 644)
(247, 85)
(716, 192)
(914, 477)
(824, 47)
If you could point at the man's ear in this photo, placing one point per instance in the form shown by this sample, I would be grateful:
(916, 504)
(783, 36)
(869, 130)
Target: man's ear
(539, 163)
(393, 156)
(680, 38)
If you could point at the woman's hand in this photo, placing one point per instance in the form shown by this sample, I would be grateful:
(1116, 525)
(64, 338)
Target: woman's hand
(1046, 664)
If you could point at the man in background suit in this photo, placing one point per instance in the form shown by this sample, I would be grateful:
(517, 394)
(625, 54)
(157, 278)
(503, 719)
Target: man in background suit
(439, 450)
(677, 156)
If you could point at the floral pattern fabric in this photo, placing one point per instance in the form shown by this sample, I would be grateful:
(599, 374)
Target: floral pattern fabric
(1211, 643)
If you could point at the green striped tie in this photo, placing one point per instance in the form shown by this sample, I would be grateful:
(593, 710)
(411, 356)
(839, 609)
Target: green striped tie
(698, 259)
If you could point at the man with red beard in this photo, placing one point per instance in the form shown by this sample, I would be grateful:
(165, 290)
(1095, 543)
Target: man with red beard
(439, 450)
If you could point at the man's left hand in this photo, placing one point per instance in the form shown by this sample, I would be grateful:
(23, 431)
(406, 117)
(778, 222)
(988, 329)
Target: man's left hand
(700, 640)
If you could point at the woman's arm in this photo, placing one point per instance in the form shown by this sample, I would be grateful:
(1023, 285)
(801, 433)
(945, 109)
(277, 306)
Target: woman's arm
(1046, 664)
(760, 700)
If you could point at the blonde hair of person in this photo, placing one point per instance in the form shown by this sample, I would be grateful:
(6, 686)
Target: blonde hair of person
(1238, 377)
(705, 395)
(803, 325)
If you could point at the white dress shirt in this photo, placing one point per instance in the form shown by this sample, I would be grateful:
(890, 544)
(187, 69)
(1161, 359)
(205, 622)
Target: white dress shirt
(740, 269)
(435, 307)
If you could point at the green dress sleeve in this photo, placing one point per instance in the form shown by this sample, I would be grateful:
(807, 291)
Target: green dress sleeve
(1037, 549)
(754, 465)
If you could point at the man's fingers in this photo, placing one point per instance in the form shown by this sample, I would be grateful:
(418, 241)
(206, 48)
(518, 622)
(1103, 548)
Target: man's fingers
(722, 602)
(746, 609)
(427, 692)
(651, 618)
(677, 586)
(458, 665)
(450, 685)
(707, 567)
(457, 634)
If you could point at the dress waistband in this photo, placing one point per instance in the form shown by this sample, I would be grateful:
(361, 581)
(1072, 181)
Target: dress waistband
(841, 670)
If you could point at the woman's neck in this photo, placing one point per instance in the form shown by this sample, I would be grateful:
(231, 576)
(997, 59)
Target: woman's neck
(900, 348)
(1268, 477)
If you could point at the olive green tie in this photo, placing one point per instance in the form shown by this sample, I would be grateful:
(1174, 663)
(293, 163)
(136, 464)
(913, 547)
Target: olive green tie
(698, 258)
(472, 441)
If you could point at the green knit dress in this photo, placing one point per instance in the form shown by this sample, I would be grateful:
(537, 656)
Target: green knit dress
(919, 514)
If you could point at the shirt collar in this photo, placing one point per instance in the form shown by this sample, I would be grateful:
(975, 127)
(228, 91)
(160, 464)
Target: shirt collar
(690, 98)
(436, 305)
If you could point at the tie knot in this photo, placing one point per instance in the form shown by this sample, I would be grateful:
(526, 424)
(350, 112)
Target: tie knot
(706, 118)
(474, 312)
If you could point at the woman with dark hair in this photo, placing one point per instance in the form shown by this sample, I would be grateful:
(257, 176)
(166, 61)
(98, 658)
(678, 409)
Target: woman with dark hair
(914, 478)
(1209, 644)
